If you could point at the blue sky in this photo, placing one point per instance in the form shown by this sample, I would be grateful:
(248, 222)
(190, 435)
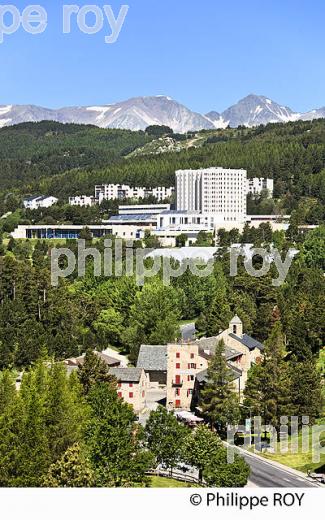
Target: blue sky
(206, 54)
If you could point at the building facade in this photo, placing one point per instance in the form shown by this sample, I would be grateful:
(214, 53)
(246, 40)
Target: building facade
(217, 191)
(132, 386)
(140, 209)
(82, 201)
(184, 363)
(182, 367)
(124, 191)
(40, 201)
(256, 185)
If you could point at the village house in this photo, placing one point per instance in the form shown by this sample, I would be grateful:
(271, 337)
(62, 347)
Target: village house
(182, 367)
(132, 386)
(153, 360)
(132, 382)
(249, 349)
(184, 363)
(74, 363)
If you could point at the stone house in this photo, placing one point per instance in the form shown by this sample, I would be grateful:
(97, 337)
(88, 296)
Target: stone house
(132, 386)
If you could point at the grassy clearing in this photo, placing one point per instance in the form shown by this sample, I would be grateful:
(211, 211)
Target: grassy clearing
(187, 322)
(163, 482)
(299, 461)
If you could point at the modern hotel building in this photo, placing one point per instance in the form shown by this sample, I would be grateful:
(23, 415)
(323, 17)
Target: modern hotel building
(217, 191)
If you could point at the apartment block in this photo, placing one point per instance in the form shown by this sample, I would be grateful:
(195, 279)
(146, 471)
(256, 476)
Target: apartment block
(256, 185)
(82, 201)
(217, 191)
(124, 191)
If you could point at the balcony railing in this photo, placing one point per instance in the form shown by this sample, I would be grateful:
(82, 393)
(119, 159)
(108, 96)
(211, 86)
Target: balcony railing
(177, 383)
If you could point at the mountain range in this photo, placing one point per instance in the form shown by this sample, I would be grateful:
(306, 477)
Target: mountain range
(139, 112)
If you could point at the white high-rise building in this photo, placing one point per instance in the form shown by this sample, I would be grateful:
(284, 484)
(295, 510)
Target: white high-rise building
(256, 185)
(217, 191)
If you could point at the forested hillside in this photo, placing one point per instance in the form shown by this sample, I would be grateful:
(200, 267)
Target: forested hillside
(32, 151)
(65, 160)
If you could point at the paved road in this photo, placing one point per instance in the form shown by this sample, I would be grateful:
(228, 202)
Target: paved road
(155, 396)
(266, 475)
(188, 331)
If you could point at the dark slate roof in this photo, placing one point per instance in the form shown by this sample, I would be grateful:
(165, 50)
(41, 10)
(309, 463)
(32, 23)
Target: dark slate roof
(210, 344)
(236, 373)
(153, 357)
(33, 197)
(248, 341)
(128, 375)
(110, 361)
(37, 197)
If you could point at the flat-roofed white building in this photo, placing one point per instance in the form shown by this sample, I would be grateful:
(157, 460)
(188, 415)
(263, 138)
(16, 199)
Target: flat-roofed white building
(132, 226)
(256, 185)
(148, 209)
(40, 201)
(162, 193)
(112, 192)
(124, 191)
(183, 221)
(218, 191)
(82, 201)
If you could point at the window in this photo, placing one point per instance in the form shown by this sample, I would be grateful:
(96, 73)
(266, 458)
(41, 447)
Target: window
(177, 403)
(131, 385)
(177, 392)
(120, 394)
(192, 356)
(120, 385)
(178, 355)
(130, 395)
(189, 392)
(190, 378)
(191, 365)
(178, 365)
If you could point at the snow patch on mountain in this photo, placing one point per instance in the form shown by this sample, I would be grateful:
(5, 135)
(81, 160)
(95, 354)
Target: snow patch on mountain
(139, 112)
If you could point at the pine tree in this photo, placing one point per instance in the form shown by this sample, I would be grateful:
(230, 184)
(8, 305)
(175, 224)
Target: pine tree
(72, 470)
(31, 434)
(114, 441)
(306, 389)
(7, 390)
(93, 370)
(268, 388)
(9, 426)
(63, 412)
(219, 400)
(219, 313)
